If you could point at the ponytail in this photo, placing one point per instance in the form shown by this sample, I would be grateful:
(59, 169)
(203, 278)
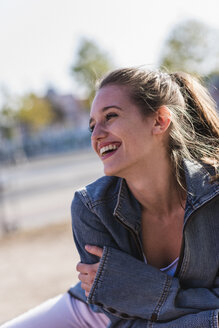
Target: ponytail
(205, 120)
(199, 101)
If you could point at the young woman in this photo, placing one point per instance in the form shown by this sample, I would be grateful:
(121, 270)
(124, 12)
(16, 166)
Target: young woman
(147, 232)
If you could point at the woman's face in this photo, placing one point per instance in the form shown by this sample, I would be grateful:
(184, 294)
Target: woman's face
(121, 136)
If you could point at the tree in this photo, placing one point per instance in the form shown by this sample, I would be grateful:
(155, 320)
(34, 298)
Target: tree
(34, 112)
(7, 122)
(192, 47)
(7, 115)
(91, 63)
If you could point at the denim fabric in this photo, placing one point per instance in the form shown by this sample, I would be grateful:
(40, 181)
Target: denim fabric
(131, 292)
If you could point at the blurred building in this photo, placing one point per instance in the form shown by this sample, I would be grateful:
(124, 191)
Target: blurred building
(68, 131)
(68, 109)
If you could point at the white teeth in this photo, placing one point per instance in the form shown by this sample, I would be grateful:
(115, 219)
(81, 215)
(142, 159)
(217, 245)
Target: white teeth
(106, 148)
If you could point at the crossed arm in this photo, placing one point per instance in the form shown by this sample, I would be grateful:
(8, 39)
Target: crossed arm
(157, 295)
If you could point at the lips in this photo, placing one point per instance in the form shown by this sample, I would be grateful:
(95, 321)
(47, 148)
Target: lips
(108, 148)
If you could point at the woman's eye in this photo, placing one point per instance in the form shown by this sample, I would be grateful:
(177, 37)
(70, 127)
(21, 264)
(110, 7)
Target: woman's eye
(111, 115)
(107, 118)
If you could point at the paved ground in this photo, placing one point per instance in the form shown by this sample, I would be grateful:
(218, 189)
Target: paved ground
(39, 192)
(38, 261)
(35, 266)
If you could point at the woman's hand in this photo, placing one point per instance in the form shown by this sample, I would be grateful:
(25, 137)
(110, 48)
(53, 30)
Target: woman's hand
(88, 271)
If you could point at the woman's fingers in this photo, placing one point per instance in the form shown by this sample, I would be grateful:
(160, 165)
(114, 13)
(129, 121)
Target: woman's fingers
(95, 250)
(86, 281)
(87, 272)
(83, 268)
(86, 288)
(87, 268)
(86, 278)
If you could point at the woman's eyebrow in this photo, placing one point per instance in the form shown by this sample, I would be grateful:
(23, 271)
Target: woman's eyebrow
(111, 106)
(104, 109)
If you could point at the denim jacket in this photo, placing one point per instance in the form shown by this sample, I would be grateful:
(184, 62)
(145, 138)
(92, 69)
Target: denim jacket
(129, 291)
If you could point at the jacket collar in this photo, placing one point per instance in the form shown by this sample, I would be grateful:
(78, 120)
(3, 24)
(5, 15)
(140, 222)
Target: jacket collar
(128, 209)
(198, 181)
(199, 191)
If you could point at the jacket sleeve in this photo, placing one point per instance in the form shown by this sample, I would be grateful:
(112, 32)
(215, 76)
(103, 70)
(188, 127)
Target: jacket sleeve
(145, 293)
(87, 228)
(158, 297)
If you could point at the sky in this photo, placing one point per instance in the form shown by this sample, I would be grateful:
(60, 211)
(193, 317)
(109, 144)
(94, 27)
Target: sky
(39, 39)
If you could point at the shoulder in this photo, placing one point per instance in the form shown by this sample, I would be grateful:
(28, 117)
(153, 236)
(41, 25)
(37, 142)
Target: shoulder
(99, 191)
(92, 203)
(200, 185)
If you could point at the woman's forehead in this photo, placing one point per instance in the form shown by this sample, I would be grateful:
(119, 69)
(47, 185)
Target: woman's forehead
(110, 95)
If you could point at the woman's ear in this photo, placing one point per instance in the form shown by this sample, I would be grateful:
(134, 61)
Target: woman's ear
(162, 120)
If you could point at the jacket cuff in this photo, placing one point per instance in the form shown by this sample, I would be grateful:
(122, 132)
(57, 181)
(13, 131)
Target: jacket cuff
(120, 275)
(97, 294)
(98, 279)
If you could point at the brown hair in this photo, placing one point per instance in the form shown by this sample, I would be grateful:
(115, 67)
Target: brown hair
(194, 132)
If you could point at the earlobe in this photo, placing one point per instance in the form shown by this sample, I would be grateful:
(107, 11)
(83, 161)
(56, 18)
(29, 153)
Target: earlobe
(162, 120)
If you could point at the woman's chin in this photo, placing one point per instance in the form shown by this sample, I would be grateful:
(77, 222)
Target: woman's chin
(109, 171)
(112, 171)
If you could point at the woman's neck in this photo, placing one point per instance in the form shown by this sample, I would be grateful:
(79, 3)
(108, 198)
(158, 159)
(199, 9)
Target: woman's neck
(156, 189)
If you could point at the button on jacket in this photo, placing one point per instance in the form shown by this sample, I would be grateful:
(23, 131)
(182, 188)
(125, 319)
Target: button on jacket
(129, 291)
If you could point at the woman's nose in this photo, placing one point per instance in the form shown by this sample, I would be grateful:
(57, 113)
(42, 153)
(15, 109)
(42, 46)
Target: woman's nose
(99, 132)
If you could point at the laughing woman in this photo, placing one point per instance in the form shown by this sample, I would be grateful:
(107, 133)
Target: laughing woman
(148, 231)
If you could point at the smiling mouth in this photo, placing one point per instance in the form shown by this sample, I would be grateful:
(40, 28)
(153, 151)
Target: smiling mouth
(108, 149)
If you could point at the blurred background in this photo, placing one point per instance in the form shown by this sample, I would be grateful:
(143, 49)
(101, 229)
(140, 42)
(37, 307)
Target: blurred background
(52, 52)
